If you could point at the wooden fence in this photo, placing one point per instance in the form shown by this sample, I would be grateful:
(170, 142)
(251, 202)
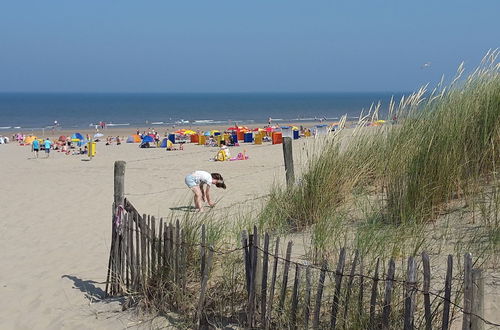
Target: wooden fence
(270, 290)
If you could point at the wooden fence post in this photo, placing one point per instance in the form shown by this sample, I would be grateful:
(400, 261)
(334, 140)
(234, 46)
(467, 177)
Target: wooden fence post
(373, 298)
(466, 323)
(349, 287)
(273, 285)
(295, 298)
(307, 300)
(411, 279)
(478, 298)
(286, 269)
(447, 294)
(202, 249)
(427, 284)
(319, 295)
(288, 155)
(119, 183)
(389, 284)
(339, 274)
(203, 290)
(263, 293)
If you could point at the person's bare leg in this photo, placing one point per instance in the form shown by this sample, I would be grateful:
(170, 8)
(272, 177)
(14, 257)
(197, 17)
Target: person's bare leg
(197, 198)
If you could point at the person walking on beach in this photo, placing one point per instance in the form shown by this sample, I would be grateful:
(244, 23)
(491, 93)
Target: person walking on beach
(200, 182)
(47, 144)
(35, 145)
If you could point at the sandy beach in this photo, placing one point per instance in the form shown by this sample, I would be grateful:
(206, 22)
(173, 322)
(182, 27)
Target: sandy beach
(56, 212)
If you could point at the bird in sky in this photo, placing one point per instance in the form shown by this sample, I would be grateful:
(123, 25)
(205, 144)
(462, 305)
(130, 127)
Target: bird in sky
(425, 65)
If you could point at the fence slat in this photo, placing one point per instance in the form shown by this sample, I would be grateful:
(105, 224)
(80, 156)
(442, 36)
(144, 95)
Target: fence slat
(203, 289)
(152, 243)
(338, 285)
(177, 251)
(286, 269)
(148, 246)
(307, 300)
(263, 293)
(166, 248)
(478, 298)
(183, 261)
(273, 284)
(138, 263)
(411, 279)
(159, 251)
(172, 252)
(373, 297)
(246, 258)
(426, 288)
(447, 294)
(126, 253)
(349, 286)
(295, 298)
(361, 287)
(143, 250)
(466, 323)
(131, 250)
(203, 250)
(389, 284)
(319, 295)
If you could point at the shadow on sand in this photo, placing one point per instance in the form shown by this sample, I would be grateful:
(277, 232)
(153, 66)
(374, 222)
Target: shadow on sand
(189, 208)
(92, 292)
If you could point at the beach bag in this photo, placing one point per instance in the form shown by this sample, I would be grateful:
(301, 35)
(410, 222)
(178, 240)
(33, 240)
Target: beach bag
(221, 156)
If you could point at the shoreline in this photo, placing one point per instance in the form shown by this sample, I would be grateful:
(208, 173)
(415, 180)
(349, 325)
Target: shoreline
(124, 131)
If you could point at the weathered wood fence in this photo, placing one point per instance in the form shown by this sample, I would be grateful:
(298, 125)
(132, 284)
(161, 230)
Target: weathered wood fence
(279, 292)
(174, 267)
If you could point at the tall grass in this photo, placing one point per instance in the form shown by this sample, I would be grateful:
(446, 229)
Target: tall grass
(442, 147)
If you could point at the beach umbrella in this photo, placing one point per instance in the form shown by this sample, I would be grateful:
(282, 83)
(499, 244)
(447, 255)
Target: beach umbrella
(189, 132)
(78, 136)
(98, 135)
(207, 133)
(30, 139)
(62, 138)
(148, 138)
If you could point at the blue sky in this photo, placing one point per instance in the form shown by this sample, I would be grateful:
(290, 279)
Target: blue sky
(239, 46)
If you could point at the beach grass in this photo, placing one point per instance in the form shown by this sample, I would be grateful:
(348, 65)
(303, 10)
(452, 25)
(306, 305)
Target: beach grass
(439, 150)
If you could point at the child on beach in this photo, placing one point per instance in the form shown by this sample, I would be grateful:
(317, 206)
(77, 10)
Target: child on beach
(47, 144)
(200, 182)
(36, 147)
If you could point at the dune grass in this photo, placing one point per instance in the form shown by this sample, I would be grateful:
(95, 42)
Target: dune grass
(442, 147)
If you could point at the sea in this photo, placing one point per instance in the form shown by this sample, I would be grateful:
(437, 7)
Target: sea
(25, 111)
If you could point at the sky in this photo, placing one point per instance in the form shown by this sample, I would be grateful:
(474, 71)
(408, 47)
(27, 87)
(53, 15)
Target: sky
(167, 46)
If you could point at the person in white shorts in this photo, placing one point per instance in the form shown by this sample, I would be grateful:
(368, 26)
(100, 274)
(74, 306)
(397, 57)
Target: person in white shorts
(200, 182)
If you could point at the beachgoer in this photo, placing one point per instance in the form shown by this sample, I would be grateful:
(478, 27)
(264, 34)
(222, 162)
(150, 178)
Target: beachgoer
(47, 144)
(200, 182)
(269, 121)
(35, 145)
(118, 141)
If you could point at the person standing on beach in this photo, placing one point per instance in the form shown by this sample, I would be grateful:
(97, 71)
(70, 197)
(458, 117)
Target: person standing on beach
(47, 144)
(35, 145)
(200, 182)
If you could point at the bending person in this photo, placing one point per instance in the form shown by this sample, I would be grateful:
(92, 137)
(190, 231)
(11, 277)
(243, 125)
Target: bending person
(199, 182)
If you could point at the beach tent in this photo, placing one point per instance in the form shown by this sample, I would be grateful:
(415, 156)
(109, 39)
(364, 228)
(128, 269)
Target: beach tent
(166, 143)
(148, 138)
(77, 136)
(98, 135)
(137, 138)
